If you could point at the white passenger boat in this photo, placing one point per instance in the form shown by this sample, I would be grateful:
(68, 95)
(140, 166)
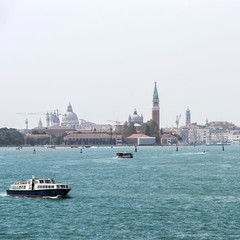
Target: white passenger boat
(38, 188)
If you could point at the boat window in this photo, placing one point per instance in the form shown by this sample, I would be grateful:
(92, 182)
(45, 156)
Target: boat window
(41, 181)
(52, 181)
(47, 181)
(57, 186)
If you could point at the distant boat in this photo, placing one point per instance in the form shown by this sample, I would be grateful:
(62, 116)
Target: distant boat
(124, 155)
(74, 146)
(224, 143)
(87, 146)
(50, 146)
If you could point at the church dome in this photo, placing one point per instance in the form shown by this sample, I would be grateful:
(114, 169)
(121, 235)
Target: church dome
(135, 118)
(70, 119)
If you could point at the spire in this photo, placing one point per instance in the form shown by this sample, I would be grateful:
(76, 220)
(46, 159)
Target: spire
(26, 122)
(48, 119)
(40, 123)
(188, 117)
(156, 109)
(69, 108)
(155, 98)
(155, 93)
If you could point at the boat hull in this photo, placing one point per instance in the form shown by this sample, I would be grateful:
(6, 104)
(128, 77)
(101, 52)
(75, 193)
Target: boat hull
(126, 157)
(39, 193)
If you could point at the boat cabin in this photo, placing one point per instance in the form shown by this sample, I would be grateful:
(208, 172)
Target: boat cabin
(35, 184)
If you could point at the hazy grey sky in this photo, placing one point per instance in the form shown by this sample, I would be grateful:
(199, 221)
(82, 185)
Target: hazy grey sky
(104, 56)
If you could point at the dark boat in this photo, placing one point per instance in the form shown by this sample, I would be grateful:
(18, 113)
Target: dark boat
(124, 155)
(38, 188)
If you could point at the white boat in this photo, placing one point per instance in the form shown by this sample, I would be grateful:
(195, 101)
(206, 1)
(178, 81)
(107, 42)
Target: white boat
(38, 188)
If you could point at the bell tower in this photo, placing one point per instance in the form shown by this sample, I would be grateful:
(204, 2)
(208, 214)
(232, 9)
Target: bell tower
(156, 109)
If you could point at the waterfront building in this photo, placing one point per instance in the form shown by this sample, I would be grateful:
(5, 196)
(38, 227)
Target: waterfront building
(223, 125)
(37, 139)
(213, 133)
(234, 136)
(156, 109)
(168, 139)
(70, 119)
(140, 139)
(188, 117)
(91, 138)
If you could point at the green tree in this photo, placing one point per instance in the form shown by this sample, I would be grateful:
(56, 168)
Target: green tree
(131, 129)
(128, 129)
(150, 128)
(10, 137)
(179, 138)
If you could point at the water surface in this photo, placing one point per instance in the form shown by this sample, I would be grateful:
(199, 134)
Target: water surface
(159, 194)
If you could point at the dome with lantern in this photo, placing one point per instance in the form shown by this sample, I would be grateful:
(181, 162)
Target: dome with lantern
(70, 119)
(135, 118)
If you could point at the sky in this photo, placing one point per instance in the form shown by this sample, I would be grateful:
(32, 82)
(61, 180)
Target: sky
(104, 57)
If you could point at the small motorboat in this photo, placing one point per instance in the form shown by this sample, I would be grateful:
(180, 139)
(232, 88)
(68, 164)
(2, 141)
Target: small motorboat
(124, 155)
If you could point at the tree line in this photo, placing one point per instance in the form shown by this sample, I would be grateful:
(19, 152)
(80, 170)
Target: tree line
(150, 128)
(10, 137)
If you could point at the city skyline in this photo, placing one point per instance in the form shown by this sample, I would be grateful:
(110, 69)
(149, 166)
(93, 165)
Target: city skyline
(105, 57)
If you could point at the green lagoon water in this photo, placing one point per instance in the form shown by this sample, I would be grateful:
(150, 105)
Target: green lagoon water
(159, 194)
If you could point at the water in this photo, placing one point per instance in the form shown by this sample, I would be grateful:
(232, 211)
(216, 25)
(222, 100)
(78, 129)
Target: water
(159, 194)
